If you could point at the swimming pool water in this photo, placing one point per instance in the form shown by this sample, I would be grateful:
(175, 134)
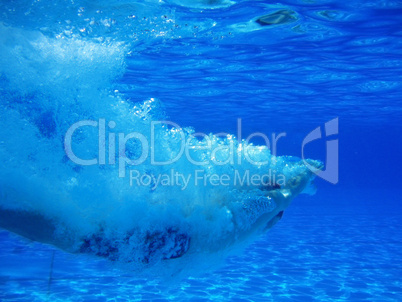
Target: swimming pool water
(209, 64)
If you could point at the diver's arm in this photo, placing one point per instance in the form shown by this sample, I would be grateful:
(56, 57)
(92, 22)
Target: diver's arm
(293, 187)
(282, 198)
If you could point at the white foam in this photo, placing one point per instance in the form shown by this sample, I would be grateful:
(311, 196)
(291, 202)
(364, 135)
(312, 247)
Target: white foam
(52, 82)
(203, 3)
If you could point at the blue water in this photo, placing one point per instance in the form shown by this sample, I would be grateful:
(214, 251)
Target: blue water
(209, 65)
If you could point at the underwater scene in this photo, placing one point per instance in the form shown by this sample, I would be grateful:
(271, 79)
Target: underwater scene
(200, 150)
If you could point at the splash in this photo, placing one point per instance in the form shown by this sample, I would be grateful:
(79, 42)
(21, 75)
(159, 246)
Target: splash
(114, 178)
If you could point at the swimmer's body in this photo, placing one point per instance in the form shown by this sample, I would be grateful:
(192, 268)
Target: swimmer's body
(170, 243)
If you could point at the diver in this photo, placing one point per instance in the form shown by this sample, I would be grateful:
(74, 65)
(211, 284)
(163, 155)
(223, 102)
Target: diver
(165, 244)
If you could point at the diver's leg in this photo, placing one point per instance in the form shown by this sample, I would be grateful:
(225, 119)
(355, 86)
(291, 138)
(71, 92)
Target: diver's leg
(170, 243)
(30, 225)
